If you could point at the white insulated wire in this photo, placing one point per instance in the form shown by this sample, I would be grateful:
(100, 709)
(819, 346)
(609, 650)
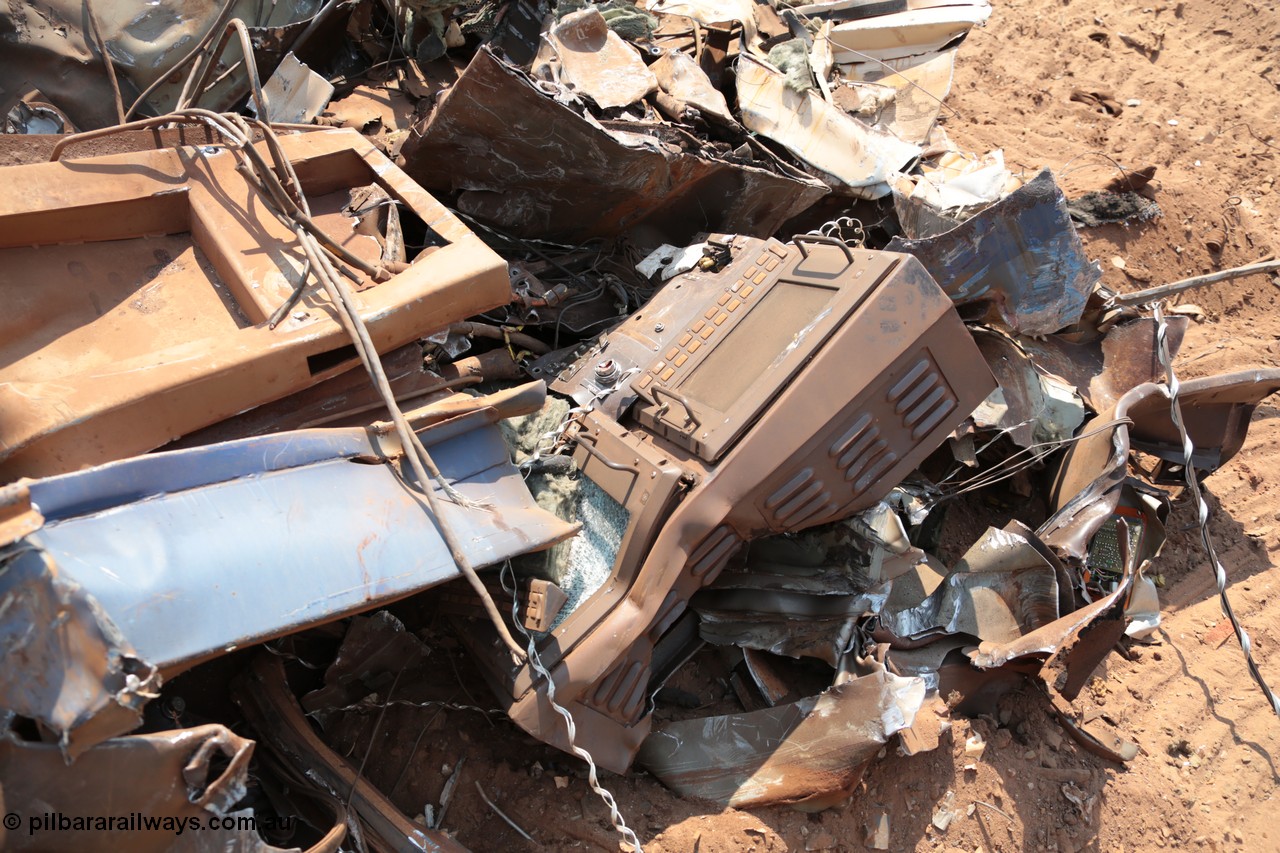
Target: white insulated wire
(1172, 388)
(572, 730)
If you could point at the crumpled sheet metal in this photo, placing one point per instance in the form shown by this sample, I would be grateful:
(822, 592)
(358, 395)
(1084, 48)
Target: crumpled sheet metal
(593, 60)
(1031, 405)
(196, 552)
(68, 666)
(683, 79)
(526, 163)
(785, 623)
(949, 190)
(175, 780)
(1054, 638)
(1216, 410)
(1088, 484)
(810, 753)
(794, 596)
(48, 45)
(1021, 256)
(1000, 590)
(920, 30)
(1072, 648)
(1103, 369)
(916, 89)
(852, 157)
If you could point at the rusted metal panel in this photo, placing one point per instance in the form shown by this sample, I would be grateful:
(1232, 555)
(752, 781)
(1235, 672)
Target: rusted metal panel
(1217, 411)
(531, 165)
(152, 326)
(176, 557)
(1021, 257)
(17, 516)
(1103, 369)
(148, 793)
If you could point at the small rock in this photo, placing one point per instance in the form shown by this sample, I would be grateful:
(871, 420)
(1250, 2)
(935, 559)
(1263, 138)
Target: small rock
(945, 812)
(1133, 102)
(821, 840)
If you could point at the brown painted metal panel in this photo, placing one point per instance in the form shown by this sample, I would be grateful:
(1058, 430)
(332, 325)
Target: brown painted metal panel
(139, 285)
(860, 395)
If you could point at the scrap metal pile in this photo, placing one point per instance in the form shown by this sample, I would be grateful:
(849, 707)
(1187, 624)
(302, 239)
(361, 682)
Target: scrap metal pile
(592, 338)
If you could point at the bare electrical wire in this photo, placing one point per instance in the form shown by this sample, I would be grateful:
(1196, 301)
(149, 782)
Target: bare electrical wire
(1007, 467)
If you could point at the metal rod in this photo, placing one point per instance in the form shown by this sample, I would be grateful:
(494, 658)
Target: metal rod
(106, 60)
(499, 813)
(1151, 294)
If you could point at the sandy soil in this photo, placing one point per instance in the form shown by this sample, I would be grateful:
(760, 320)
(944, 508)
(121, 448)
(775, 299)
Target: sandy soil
(1206, 75)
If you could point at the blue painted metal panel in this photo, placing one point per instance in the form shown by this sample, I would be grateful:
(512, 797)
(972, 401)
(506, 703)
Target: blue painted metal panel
(196, 552)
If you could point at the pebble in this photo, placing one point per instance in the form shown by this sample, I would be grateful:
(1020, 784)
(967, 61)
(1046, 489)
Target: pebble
(1133, 102)
(820, 841)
